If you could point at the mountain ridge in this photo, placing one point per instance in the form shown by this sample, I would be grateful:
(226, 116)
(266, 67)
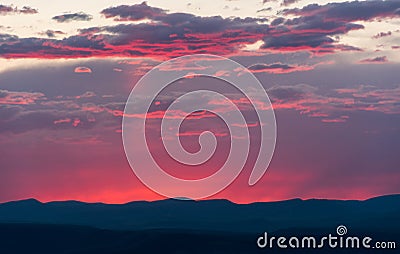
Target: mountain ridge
(207, 200)
(221, 215)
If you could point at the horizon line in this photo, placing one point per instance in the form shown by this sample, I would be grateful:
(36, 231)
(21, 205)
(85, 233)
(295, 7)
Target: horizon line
(183, 199)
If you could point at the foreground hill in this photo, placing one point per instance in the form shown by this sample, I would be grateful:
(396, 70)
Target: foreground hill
(176, 226)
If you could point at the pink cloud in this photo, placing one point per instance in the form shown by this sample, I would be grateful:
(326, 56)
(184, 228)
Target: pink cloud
(82, 69)
(76, 122)
(333, 120)
(19, 98)
(64, 120)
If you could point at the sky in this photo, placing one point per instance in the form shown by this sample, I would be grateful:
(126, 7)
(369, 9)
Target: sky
(331, 70)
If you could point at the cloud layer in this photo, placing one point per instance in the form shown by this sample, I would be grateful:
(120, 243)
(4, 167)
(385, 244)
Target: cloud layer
(163, 35)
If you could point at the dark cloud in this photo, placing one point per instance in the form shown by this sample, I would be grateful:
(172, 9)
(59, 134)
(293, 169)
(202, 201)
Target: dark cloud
(133, 12)
(278, 68)
(51, 33)
(268, 1)
(28, 10)
(277, 21)
(80, 16)
(309, 33)
(264, 9)
(6, 9)
(270, 66)
(316, 24)
(378, 59)
(351, 11)
(8, 38)
(382, 34)
(290, 93)
(289, 2)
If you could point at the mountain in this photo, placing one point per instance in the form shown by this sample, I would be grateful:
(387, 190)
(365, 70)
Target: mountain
(174, 226)
(215, 215)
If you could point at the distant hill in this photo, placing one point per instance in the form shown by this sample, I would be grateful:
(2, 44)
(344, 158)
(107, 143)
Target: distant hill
(175, 226)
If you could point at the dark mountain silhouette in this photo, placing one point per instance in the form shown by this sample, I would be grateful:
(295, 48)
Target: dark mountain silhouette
(181, 226)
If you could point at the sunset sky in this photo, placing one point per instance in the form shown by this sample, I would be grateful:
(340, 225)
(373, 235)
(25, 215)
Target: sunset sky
(331, 70)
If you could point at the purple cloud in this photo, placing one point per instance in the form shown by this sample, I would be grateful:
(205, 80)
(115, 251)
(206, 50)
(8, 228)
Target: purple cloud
(133, 12)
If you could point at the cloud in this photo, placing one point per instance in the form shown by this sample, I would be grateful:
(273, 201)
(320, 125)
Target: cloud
(50, 116)
(19, 98)
(310, 101)
(332, 107)
(277, 21)
(87, 94)
(8, 38)
(315, 24)
(62, 121)
(375, 60)
(165, 35)
(192, 34)
(268, 1)
(376, 99)
(82, 69)
(76, 122)
(133, 12)
(291, 93)
(382, 34)
(350, 11)
(264, 9)
(4, 9)
(27, 10)
(278, 68)
(312, 33)
(289, 2)
(7, 9)
(341, 119)
(51, 33)
(80, 16)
